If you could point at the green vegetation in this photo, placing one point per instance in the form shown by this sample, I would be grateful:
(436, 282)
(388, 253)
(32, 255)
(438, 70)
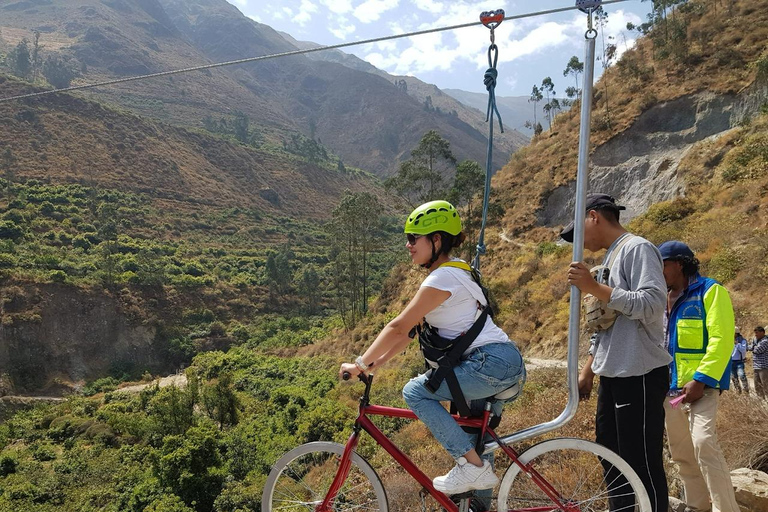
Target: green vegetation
(205, 447)
(204, 279)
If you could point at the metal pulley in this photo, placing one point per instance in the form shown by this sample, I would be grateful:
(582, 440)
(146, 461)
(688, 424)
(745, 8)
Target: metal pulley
(588, 6)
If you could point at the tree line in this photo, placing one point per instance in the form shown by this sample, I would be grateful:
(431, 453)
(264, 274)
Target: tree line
(29, 61)
(362, 235)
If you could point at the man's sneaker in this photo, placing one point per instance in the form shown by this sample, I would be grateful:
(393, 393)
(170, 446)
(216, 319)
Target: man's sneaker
(465, 477)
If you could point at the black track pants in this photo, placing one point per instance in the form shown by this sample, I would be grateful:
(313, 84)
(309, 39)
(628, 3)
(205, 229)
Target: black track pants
(630, 421)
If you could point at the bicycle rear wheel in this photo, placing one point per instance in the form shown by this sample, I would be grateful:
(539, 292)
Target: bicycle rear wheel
(585, 475)
(300, 480)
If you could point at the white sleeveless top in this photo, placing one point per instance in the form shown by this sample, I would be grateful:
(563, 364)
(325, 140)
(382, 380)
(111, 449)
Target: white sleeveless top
(459, 311)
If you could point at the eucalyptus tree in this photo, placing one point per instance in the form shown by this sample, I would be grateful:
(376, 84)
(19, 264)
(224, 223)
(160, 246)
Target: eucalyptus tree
(355, 229)
(423, 177)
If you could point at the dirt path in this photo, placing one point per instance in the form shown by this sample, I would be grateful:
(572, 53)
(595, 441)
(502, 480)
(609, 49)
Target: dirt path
(533, 363)
(178, 380)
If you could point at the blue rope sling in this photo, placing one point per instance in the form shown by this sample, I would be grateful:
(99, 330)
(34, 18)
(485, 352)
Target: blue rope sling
(490, 19)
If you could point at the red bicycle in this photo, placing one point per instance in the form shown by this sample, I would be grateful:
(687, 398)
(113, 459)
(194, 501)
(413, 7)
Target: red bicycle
(564, 474)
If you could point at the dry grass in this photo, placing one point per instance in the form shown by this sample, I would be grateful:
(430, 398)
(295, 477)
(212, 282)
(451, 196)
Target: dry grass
(741, 421)
(741, 424)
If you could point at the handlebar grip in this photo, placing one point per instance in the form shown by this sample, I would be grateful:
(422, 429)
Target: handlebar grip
(346, 375)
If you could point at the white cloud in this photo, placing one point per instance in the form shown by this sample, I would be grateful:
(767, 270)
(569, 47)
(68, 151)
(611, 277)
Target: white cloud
(546, 35)
(371, 10)
(338, 6)
(428, 5)
(255, 18)
(341, 28)
(306, 10)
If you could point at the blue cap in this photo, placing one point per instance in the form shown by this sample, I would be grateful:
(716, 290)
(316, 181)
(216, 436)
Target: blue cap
(674, 249)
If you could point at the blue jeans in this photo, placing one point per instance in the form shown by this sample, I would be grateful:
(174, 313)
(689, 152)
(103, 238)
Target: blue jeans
(738, 374)
(486, 371)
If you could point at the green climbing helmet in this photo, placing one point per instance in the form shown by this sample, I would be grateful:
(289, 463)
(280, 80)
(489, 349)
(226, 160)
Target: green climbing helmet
(433, 216)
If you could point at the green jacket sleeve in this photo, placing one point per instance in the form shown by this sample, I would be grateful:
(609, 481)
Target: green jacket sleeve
(720, 329)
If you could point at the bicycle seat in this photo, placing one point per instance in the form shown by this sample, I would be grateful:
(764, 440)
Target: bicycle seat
(509, 393)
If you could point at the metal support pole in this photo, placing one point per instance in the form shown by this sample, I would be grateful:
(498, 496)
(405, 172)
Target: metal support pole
(582, 180)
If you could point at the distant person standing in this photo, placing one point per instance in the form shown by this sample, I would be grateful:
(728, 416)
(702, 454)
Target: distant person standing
(699, 332)
(760, 362)
(738, 359)
(628, 355)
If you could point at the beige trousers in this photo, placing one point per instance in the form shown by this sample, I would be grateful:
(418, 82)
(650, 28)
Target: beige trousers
(693, 444)
(761, 382)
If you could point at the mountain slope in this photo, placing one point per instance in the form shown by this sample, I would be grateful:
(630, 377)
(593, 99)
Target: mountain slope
(515, 110)
(470, 111)
(64, 139)
(362, 117)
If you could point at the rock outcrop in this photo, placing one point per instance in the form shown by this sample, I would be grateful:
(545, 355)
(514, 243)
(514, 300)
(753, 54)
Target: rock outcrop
(639, 166)
(751, 489)
(54, 336)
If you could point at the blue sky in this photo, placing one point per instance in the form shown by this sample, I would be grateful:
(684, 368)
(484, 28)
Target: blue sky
(529, 49)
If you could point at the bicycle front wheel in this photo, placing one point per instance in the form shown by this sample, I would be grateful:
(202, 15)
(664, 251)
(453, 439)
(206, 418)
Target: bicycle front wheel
(585, 476)
(300, 480)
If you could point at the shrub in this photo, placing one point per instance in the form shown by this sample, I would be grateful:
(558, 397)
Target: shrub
(8, 465)
(217, 329)
(43, 452)
(677, 209)
(100, 386)
(102, 434)
(545, 248)
(7, 260)
(190, 466)
(58, 276)
(81, 242)
(724, 265)
(10, 230)
(168, 503)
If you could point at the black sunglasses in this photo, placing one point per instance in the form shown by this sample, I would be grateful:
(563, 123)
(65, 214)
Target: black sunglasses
(412, 238)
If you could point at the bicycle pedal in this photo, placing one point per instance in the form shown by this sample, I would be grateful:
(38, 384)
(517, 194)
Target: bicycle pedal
(469, 502)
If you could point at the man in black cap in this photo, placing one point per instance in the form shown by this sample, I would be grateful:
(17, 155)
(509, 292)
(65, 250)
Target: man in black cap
(628, 353)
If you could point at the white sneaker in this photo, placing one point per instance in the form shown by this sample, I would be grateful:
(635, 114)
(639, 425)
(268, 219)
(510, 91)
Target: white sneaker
(465, 477)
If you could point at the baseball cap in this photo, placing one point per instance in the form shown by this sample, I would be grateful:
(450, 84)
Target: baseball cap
(594, 202)
(674, 249)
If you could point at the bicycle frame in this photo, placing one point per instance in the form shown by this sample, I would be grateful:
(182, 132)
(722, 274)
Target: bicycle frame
(481, 423)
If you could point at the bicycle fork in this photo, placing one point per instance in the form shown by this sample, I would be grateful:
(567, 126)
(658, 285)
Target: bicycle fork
(345, 463)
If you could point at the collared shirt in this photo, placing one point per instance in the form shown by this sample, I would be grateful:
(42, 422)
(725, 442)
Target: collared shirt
(760, 350)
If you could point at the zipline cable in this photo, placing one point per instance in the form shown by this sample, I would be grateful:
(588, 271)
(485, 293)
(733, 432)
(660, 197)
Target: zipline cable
(285, 54)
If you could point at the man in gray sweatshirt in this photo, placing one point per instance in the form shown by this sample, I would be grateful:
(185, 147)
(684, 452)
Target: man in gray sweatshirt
(629, 355)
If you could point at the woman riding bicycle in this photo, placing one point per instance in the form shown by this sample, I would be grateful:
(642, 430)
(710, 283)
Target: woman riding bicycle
(450, 302)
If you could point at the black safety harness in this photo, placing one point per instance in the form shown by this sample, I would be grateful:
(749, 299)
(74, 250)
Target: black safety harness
(442, 355)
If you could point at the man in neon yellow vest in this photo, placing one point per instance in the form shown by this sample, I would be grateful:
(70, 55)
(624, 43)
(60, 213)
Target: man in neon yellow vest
(700, 327)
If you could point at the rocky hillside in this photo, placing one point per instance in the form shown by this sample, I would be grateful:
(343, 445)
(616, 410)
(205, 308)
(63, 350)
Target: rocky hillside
(362, 117)
(679, 135)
